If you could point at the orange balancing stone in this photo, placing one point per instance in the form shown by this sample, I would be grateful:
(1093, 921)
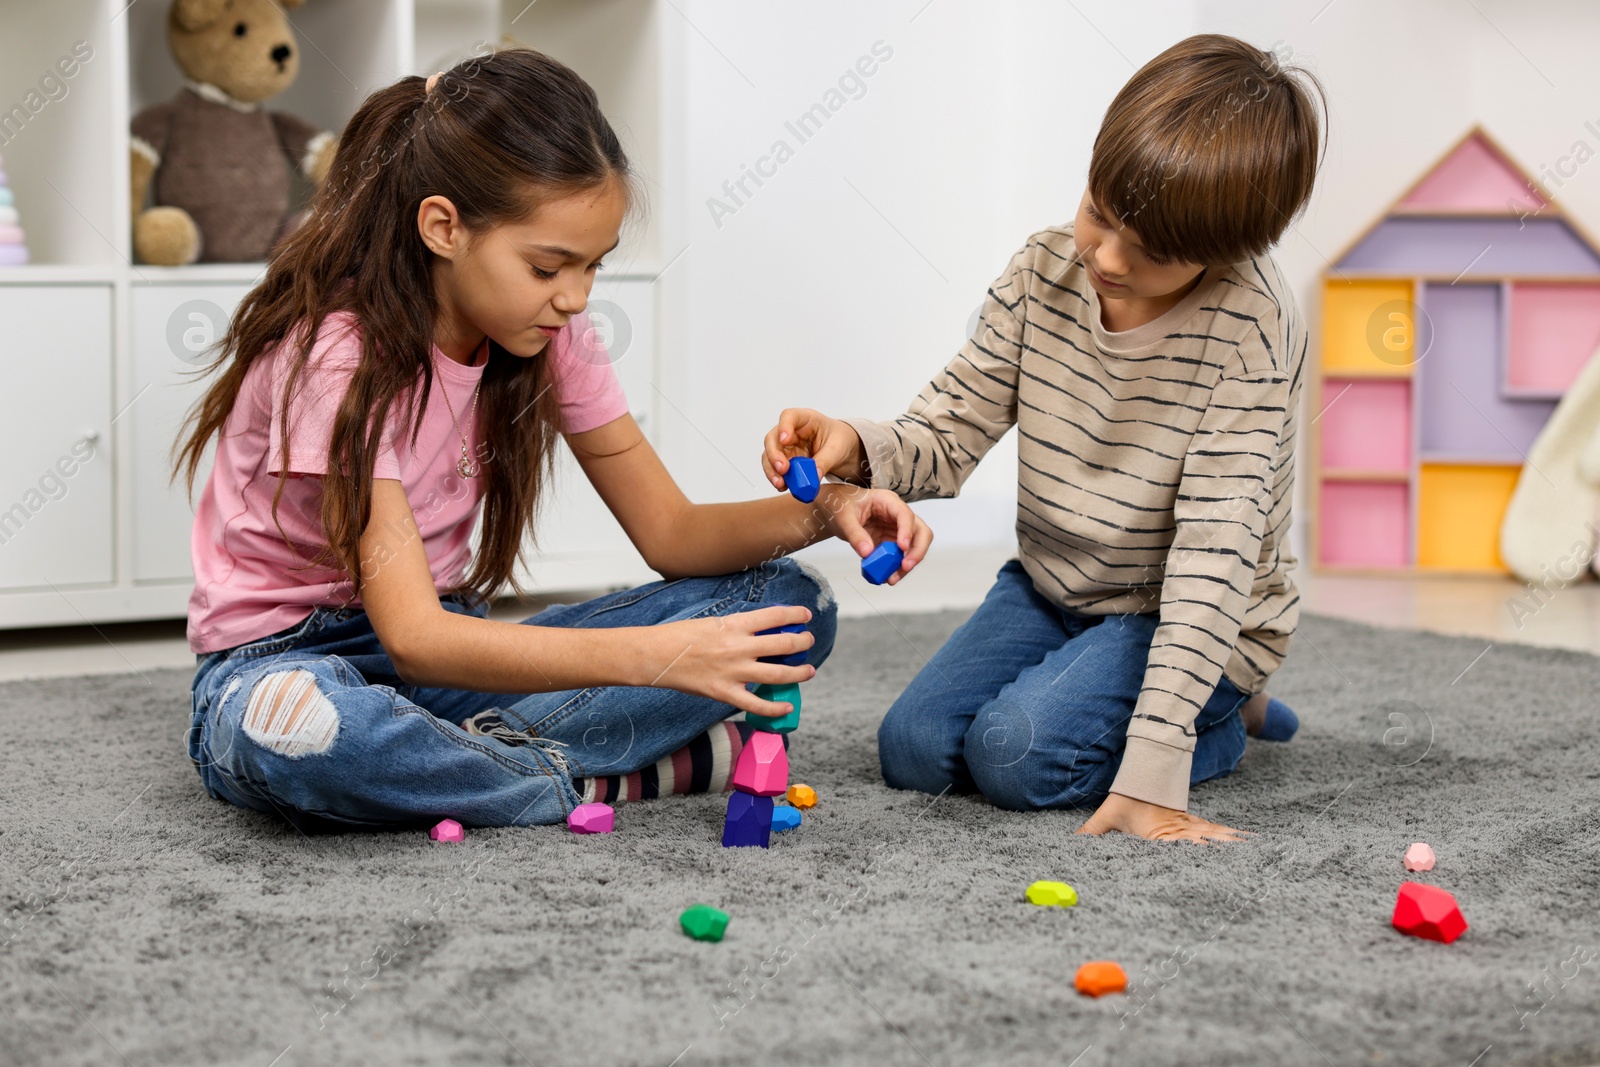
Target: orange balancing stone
(802, 796)
(1100, 977)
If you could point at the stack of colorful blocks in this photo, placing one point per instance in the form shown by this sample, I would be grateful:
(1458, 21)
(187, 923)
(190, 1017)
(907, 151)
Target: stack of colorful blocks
(13, 249)
(762, 770)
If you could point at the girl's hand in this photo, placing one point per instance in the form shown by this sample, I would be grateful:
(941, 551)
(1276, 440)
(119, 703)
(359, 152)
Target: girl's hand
(716, 657)
(1155, 823)
(865, 518)
(802, 432)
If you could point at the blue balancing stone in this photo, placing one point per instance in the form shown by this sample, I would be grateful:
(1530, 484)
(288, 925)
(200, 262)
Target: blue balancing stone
(802, 479)
(784, 818)
(793, 659)
(882, 562)
(749, 821)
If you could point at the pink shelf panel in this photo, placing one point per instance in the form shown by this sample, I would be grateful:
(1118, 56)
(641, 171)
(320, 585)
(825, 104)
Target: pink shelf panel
(1473, 178)
(1554, 331)
(1366, 424)
(1364, 524)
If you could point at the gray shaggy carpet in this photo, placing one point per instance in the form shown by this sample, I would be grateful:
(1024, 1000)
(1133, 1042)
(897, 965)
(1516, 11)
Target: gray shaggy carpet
(146, 924)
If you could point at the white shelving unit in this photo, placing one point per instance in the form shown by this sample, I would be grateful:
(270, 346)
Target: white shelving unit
(95, 347)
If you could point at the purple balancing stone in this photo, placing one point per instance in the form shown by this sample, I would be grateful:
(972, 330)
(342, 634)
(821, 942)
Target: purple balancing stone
(749, 821)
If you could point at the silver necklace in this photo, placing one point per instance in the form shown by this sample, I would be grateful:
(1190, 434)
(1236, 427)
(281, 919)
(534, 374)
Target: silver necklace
(465, 466)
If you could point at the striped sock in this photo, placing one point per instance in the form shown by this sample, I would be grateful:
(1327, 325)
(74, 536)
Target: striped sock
(704, 765)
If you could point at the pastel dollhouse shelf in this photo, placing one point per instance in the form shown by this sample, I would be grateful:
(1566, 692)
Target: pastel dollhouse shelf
(1451, 327)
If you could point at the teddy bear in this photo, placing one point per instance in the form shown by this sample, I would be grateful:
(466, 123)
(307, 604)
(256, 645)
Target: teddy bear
(218, 161)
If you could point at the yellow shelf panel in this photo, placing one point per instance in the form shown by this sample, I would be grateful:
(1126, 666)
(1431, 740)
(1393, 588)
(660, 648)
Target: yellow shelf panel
(1368, 327)
(1459, 511)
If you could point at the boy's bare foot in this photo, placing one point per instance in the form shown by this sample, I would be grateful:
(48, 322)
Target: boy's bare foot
(1254, 714)
(1271, 720)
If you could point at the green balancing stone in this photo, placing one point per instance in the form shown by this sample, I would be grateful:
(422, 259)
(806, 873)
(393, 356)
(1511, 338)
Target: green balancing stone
(1059, 894)
(704, 923)
(784, 723)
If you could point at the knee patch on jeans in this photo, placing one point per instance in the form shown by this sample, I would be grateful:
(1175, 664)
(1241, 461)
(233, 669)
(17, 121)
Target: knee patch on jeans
(289, 715)
(824, 590)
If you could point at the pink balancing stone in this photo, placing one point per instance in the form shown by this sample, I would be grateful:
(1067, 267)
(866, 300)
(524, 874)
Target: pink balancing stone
(1419, 857)
(592, 818)
(448, 830)
(763, 767)
(1428, 911)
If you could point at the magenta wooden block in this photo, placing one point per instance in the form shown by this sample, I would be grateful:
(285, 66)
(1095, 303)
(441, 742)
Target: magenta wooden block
(749, 820)
(1554, 331)
(1419, 857)
(1462, 412)
(1473, 178)
(448, 830)
(1487, 246)
(1364, 524)
(763, 765)
(591, 818)
(1366, 425)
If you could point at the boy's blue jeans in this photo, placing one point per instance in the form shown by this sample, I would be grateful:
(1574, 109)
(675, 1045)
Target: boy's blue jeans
(368, 750)
(1029, 704)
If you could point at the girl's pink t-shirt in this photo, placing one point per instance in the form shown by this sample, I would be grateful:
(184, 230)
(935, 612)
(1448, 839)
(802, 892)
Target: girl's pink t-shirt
(246, 582)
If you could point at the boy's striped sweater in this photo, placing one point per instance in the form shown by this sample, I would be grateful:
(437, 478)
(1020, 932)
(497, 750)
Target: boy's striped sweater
(1155, 471)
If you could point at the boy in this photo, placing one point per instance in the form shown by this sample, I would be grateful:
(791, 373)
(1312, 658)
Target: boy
(1150, 356)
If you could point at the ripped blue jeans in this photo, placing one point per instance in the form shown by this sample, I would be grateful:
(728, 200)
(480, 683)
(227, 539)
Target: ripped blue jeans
(314, 724)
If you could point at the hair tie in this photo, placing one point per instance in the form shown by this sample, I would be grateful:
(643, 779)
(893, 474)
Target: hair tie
(432, 79)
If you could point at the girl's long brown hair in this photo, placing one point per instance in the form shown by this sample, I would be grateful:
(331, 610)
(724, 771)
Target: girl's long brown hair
(498, 134)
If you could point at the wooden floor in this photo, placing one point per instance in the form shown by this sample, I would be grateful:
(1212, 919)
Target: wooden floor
(1496, 609)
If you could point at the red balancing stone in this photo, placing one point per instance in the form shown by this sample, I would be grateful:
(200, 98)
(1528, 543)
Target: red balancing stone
(1429, 912)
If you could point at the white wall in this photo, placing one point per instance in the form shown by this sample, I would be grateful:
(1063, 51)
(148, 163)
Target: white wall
(1405, 80)
(977, 132)
(848, 279)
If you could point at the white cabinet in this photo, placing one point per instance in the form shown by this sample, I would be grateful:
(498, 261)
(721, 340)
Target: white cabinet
(56, 516)
(175, 331)
(98, 354)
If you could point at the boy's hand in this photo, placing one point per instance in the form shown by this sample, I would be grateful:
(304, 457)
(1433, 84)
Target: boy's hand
(802, 432)
(865, 518)
(1155, 823)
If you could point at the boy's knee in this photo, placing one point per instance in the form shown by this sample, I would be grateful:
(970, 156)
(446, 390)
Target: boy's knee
(1014, 767)
(906, 755)
(1000, 743)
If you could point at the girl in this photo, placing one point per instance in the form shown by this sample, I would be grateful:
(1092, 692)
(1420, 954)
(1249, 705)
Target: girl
(1149, 354)
(411, 353)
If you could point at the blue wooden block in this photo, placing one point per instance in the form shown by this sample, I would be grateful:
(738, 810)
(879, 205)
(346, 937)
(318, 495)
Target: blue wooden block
(793, 659)
(881, 563)
(784, 818)
(749, 821)
(802, 479)
(782, 724)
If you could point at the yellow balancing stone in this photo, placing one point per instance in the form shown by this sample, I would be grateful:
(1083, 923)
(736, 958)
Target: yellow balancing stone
(1047, 894)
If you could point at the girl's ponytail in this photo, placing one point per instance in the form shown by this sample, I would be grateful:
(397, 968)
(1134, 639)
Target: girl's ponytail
(497, 134)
